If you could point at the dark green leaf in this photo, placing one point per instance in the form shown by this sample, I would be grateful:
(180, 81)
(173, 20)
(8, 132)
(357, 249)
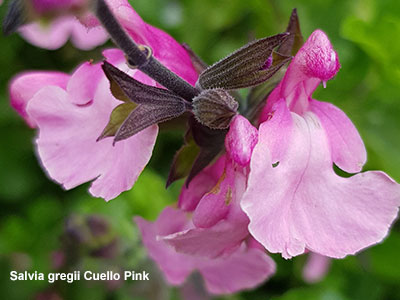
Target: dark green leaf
(211, 143)
(136, 91)
(118, 116)
(215, 108)
(295, 40)
(248, 66)
(184, 159)
(144, 116)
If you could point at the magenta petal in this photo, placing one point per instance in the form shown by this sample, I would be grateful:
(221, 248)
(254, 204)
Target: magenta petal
(311, 206)
(164, 47)
(25, 85)
(348, 150)
(316, 61)
(316, 267)
(245, 269)
(240, 140)
(67, 143)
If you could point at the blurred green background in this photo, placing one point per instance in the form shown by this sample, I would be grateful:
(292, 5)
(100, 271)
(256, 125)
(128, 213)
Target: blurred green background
(38, 220)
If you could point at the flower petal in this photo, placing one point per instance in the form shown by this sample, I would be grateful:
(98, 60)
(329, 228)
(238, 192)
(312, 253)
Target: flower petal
(176, 267)
(316, 61)
(25, 85)
(87, 38)
(240, 140)
(242, 269)
(200, 185)
(209, 242)
(164, 47)
(245, 269)
(311, 206)
(55, 34)
(67, 143)
(347, 147)
(88, 73)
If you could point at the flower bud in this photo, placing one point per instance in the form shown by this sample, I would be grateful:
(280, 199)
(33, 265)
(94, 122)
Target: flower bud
(215, 108)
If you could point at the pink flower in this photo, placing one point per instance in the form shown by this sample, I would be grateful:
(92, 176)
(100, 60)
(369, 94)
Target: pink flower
(214, 198)
(61, 23)
(245, 267)
(216, 240)
(72, 111)
(294, 199)
(50, 6)
(56, 33)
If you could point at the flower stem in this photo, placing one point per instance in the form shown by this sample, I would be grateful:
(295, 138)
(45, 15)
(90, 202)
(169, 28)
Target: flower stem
(148, 65)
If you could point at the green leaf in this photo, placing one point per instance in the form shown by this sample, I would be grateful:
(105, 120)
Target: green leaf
(117, 118)
(294, 42)
(183, 159)
(248, 66)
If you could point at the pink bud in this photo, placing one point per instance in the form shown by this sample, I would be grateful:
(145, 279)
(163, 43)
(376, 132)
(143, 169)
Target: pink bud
(241, 140)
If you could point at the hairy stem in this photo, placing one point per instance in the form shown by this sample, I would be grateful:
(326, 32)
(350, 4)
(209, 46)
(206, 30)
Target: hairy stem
(148, 65)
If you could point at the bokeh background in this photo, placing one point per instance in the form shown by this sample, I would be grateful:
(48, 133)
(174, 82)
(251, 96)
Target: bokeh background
(44, 228)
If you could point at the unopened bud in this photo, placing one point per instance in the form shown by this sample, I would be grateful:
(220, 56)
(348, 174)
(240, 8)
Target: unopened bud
(215, 108)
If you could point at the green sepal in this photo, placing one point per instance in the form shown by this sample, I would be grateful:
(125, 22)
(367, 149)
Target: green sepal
(117, 118)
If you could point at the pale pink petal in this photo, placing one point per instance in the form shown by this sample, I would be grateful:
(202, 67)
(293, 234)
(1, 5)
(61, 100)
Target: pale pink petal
(311, 206)
(55, 34)
(87, 38)
(244, 269)
(25, 85)
(49, 36)
(316, 267)
(176, 267)
(240, 140)
(347, 147)
(209, 242)
(67, 142)
(276, 125)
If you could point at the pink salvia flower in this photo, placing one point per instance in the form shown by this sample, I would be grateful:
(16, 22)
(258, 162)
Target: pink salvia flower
(294, 199)
(215, 240)
(61, 24)
(243, 268)
(55, 34)
(69, 123)
(219, 224)
(72, 111)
